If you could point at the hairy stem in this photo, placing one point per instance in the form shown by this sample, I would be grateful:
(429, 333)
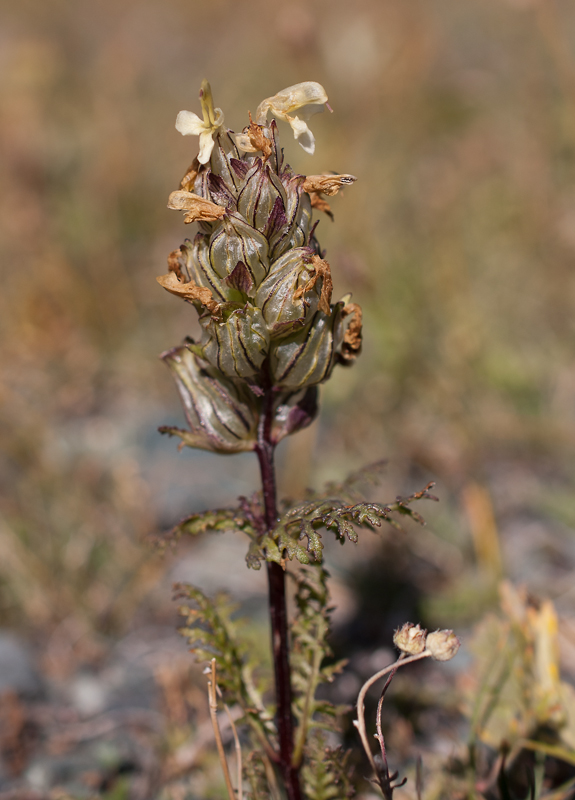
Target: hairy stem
(278, 610)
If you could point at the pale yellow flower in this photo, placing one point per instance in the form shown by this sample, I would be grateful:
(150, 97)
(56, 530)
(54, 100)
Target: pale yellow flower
(189, 124)
(307, 98)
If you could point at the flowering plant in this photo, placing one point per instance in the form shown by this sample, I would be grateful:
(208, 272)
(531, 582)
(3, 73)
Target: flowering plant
(270, 334)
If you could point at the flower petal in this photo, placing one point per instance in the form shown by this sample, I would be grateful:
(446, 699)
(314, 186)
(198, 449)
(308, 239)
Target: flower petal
(189, 124)
(303, 134)
(243, 143)
(206, 146)
(292, 99)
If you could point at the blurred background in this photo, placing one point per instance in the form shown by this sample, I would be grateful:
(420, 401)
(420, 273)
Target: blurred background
(458, 239)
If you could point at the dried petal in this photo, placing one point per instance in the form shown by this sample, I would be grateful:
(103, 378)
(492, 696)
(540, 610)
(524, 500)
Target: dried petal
(197, 207)
(321, 270)
(189, 291)
(188, 182)
(256, 139)
(320, 204)
(176, 261)
(327, 184)
(351, 345)
(244, 143)
(318, 185)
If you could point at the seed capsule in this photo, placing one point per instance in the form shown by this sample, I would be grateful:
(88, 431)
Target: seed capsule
(443, 645)
(410, 639)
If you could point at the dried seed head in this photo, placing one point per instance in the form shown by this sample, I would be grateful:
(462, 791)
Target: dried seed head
(410, 639)
(442, 645)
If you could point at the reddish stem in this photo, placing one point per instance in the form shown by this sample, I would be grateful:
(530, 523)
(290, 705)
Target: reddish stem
(278, 611)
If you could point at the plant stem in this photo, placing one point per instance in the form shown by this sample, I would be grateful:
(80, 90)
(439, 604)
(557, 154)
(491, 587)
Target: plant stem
(278, 611)
(360, 721)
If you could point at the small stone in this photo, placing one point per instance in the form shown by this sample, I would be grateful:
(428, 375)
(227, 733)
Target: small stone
(17, 672)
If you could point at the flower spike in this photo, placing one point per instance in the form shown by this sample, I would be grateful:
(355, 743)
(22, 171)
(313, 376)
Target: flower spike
(254, 274)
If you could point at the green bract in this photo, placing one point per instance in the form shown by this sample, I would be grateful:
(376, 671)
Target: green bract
(218, 411)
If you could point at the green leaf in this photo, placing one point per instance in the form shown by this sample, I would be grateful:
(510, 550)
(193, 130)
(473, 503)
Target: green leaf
(211, 633)
(332, 513)
(310, 648)
(326, 773)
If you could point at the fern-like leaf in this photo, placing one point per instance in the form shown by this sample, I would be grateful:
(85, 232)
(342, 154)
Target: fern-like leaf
(211, 633)
(310, 647)
(303, 523)
(326, 774)
(219, 520)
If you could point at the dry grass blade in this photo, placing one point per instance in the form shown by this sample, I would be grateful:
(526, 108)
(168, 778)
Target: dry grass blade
(213, 703)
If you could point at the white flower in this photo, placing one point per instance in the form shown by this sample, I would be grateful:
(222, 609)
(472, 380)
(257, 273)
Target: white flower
(189, 124)
(309, 96)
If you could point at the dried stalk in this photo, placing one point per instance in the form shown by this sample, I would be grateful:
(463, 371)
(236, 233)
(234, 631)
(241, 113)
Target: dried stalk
(360, 721)
(238, 750)
(213, 702)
